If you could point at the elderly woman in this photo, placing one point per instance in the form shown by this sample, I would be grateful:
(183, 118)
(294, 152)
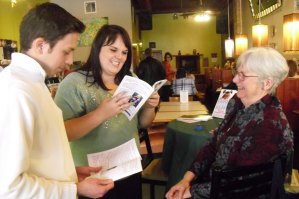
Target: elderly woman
(254, 130)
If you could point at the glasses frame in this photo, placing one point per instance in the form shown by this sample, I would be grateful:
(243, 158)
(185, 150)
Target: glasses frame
(242, 76)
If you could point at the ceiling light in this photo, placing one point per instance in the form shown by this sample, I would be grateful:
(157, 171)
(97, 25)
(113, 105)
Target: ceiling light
(201, 17)
(229, 43)
(291, 32)
(259, 32)
(241, 39)
(13, 3)
(175, 16)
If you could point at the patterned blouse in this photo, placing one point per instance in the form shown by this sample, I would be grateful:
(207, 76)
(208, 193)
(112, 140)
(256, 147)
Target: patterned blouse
(246, 136)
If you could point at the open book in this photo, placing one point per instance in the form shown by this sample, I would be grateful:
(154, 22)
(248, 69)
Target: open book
(139, 91)
(223, 99)
(117, 163)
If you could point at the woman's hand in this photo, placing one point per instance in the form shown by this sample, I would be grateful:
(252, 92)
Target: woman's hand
(153, 100)
(148, 111)
(115, 105)
(179, 191)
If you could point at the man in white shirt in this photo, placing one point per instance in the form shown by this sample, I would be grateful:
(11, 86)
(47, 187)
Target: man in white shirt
(35, 157)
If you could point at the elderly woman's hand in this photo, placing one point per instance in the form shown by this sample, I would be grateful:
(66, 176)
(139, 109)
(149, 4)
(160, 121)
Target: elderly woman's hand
(179, 191)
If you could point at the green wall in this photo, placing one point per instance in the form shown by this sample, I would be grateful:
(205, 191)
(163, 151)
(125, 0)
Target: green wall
(184, 35)
(10, 18)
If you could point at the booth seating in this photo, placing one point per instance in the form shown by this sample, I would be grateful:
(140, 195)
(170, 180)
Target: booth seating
(288, 94)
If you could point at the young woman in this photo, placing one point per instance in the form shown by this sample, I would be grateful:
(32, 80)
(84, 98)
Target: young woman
(93, 117)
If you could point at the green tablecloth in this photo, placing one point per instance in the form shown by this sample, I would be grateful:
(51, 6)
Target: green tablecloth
(181, 145)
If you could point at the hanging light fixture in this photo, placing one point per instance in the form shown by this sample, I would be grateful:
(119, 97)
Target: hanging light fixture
(13, 3)
(259, 32)
(241, 39)
(202, 17)
(291, 32)
(229, 43)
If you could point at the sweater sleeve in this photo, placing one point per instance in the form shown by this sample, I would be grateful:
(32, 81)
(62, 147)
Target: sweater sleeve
(18, 178)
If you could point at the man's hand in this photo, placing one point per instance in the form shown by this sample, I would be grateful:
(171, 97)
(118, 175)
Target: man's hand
(85, 171)
(94, 188)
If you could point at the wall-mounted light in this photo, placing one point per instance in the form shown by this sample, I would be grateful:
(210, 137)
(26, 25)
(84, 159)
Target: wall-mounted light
(259, 33)
(241, 39)
(229, 43)
(291, 32)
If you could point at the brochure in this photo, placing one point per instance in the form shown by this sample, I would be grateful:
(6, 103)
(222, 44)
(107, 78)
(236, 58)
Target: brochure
(194, 118)
(116, 163)
(139, 91)
(223, 99)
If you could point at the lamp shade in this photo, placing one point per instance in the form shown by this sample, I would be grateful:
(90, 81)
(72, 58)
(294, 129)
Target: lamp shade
(259, 35)
(229, 48)
(241, 42)
(291, 32)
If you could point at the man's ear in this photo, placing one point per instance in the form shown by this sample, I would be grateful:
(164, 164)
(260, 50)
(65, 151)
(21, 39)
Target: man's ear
(38, 45)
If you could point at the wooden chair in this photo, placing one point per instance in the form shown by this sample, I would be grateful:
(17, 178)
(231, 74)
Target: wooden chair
(152, 173)
(250, 181)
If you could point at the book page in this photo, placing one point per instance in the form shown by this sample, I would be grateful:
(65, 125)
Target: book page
(223, 99)
(118, 172)
(117, 163)
(157, 85)
(139, 91)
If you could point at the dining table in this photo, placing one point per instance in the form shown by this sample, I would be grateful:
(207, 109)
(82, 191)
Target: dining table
(169, 111)
(182, 142)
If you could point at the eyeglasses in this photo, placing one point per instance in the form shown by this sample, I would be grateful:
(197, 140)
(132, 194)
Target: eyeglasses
(242, 76)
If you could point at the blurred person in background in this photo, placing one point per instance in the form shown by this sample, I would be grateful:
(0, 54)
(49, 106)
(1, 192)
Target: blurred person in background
(170, 73)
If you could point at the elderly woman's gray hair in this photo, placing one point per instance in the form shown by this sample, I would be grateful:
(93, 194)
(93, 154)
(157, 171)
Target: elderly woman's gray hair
(267, 63)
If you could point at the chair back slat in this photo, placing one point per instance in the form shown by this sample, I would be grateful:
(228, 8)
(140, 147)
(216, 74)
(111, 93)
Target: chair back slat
(249, 181)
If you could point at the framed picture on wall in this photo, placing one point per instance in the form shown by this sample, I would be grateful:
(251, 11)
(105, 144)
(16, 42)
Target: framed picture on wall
(90, 7)
(266, 7)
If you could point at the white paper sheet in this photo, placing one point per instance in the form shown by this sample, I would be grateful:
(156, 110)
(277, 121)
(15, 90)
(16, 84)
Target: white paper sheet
(117, 163)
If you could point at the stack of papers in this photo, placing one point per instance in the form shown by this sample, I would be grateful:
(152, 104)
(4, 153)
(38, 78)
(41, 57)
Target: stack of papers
(117, 163)
(194, 118)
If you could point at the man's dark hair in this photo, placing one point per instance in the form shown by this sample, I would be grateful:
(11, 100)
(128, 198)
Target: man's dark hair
(49, 21)
(181, 73)
(148, 52)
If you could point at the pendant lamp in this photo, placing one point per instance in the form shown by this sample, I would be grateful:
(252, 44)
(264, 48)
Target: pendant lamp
(291, 32)
(13, 3)
(241, 39)
(229, 43)
(259, 33)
